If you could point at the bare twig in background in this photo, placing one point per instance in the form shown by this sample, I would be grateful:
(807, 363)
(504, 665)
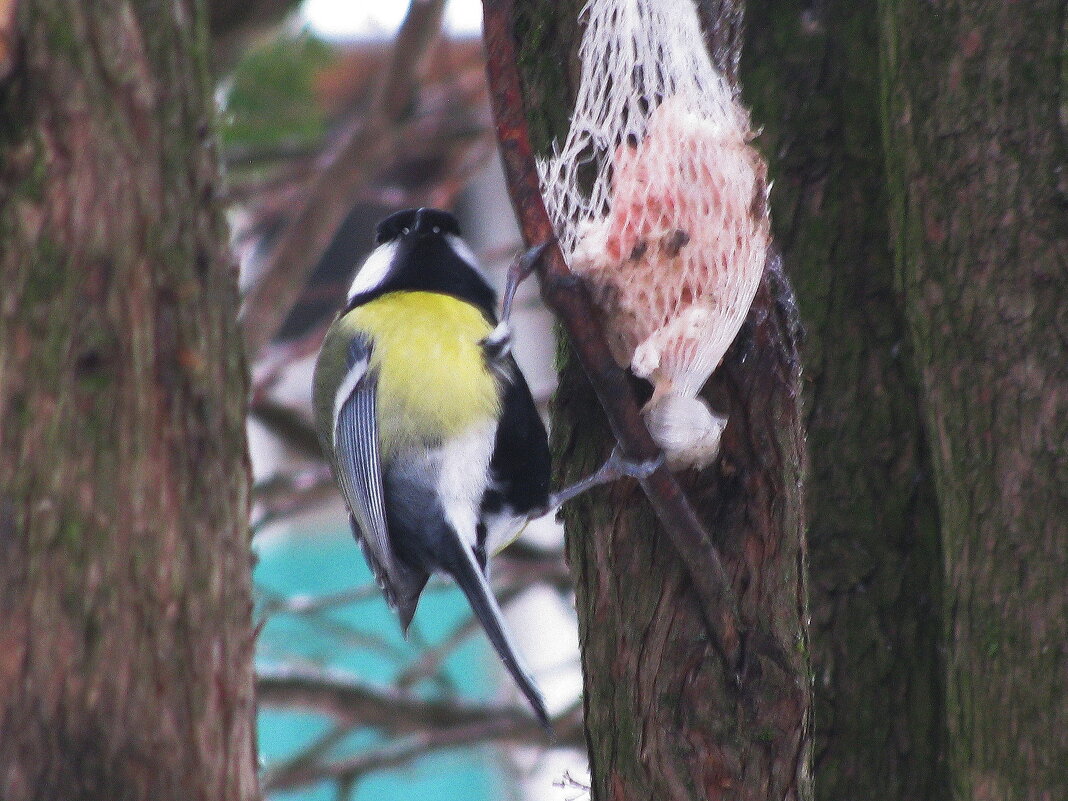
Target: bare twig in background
(431, 659)
(344, 172)
(567, 297)
(317, 604)
(380, 159)
(524, 565)
(569, 782)
(309, 604)
(287, 495)
(277, 152)
(287, 425)
(341, 632)
(349, 700)
(303, 763)
(400, 752)
(442, 129)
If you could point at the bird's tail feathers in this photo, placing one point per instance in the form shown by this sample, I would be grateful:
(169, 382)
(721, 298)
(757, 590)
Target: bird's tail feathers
(474, 585)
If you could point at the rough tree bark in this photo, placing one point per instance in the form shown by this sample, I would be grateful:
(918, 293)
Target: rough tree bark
(125, 638)
(975, 144)
(664, 718)
(812, 75)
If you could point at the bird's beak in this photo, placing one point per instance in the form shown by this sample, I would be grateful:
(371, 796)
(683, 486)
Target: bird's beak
(420, 227)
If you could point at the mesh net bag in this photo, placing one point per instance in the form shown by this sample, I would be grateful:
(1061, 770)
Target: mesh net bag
(659, 203)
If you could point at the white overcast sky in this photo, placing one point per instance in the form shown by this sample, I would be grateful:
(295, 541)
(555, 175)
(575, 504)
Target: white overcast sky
(352, 18)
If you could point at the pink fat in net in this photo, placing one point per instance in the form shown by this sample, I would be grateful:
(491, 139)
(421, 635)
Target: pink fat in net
(674, 264)
(672, 235)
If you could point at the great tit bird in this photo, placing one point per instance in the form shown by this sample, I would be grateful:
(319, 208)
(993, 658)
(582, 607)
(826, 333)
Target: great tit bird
(429, 427)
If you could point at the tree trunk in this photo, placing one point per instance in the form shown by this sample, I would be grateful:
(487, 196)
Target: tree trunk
(975, 148)
(664, 718)
(811, 73)
(125, 638)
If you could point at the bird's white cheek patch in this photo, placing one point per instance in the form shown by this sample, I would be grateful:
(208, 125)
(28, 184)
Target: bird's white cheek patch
(374, 270)
(460, 248)
(463, 475)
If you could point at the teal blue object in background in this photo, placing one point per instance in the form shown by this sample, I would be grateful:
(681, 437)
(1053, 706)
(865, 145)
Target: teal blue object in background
(363, 638)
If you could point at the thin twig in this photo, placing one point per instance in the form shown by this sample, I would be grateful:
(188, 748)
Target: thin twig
(565, 294)
(291, 495)
(312, 604)
(347, 699)
(348, 635)
(317, 604)
(408, 749)
(238, 157)
(307, 757)
(287, 424)
(431, 660)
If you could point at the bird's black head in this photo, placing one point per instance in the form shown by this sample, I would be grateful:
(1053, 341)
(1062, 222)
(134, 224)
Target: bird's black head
(421, 250)
(417, 222)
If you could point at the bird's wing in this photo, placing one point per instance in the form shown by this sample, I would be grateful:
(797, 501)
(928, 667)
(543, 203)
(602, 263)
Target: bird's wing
(359, 469)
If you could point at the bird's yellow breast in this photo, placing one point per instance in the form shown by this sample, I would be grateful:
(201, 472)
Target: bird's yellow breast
(433, 381)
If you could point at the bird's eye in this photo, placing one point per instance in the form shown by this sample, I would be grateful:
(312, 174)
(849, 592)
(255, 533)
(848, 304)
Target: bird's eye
(405, 231)
(437, 230)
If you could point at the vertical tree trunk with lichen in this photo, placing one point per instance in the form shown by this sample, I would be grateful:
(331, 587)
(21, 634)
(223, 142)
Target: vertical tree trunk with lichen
(125, 639)
(811, 73)
(975, 144)
(665, 718)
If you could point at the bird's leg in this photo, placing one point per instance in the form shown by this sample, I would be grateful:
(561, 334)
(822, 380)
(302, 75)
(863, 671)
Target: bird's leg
(520, 270)
(615, 467)
(499, 343)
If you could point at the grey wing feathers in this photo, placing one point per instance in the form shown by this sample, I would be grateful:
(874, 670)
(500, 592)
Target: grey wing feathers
(359, 473)
(359, 468)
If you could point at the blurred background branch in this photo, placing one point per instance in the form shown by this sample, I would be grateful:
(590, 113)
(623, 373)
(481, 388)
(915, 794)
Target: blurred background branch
(370, 139)
(321, 140)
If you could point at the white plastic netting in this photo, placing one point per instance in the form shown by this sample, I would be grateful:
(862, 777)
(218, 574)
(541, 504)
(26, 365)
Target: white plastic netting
(659, 202)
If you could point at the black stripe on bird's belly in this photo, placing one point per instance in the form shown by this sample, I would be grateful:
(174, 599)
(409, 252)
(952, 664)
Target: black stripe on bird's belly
(417, 524)
(520, 463)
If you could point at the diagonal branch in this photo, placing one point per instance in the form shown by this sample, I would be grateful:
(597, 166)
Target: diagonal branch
(565, 294)
(346, 169)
